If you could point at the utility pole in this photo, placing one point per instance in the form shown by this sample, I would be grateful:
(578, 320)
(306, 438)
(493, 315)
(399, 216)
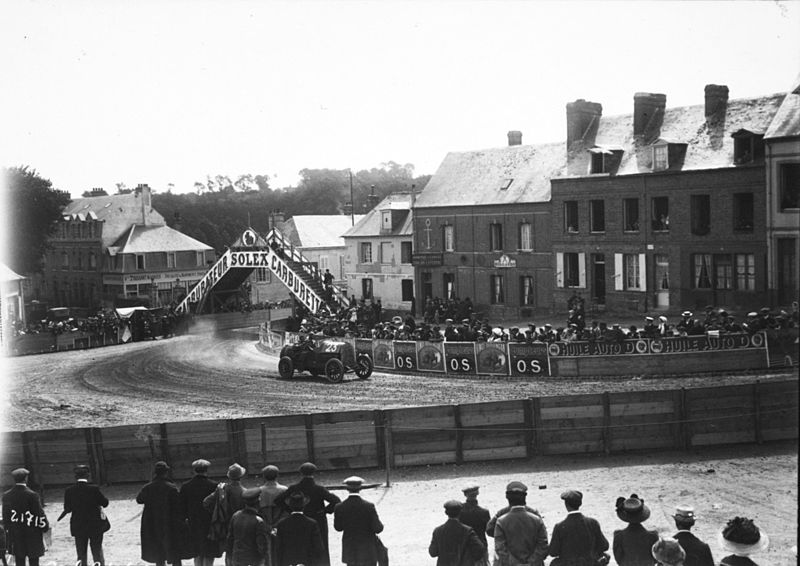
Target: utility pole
(352, 202)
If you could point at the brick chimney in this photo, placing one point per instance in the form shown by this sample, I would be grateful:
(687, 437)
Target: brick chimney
(648, 115)
(716, 103)
(583, 119)
(372, 198)
(177, 223)
(99, 192)
(514, 137)
(143, 190)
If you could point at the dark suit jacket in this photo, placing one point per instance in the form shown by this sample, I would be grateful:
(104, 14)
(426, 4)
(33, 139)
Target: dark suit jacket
(191, 497)
(24, 520)
(577, 537)
(358, 520)
(299, 541)
(84, 501)
(632, 545)
(455, 544)
(477, 517)
(698, 553)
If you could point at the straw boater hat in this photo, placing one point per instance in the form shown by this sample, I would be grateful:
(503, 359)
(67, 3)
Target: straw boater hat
(668, 552)
(632, 509)
(742, 537)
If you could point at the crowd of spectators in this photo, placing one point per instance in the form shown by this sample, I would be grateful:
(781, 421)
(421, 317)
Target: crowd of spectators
(102, 322)
(363, 320)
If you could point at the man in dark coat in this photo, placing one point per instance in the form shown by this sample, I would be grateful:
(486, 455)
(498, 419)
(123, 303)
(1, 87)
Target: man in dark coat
(475, 516)
(698, 553)
(358, 520)
(454, 543)
(24, 520)
(198, 518)
(320, 501)
(247, 535)
(577, 540)
(161, 518)
(85, 501)
(297, 537)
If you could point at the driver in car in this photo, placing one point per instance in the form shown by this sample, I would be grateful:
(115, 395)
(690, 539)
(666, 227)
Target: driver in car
(304, 348)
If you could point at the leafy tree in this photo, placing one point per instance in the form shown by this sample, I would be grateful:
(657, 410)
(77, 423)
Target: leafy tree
(31, 210)
(122, 189)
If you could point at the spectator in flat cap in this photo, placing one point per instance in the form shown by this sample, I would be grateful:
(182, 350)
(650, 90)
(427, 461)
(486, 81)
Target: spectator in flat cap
(742, 538)
(520, 536)
(161, 518)
(223, 503)
(578, 539)
(297, 537)
(358, 521)
(667, 553)
(24, 537)
(513, 487)
(86, 524)
(198, 518)
(475, 516)
(633, 545)
(321, 502)
(247, 536)
(453, 543)
(270, 511)
(698, 553)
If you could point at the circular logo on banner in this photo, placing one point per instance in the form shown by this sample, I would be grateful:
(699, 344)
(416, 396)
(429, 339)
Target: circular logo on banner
(641, 347)
(554, 350)
(249, 238)
(757, 340)
(656, 346)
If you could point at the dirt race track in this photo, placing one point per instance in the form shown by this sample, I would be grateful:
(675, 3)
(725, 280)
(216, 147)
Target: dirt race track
(193, 378)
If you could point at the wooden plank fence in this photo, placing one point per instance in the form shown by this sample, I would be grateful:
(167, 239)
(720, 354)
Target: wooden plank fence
(501, 430)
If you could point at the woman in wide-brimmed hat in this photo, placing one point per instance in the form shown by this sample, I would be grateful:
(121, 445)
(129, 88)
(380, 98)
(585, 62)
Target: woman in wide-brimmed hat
(668, 553)
(633, 545)
(742, 538)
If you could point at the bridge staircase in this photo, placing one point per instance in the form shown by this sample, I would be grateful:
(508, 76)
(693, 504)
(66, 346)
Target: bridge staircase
(225, 277)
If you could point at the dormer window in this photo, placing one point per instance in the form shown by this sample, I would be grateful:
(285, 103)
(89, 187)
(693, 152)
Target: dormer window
(748, 147)
(386, 221)
(605, 159)
(660, 157)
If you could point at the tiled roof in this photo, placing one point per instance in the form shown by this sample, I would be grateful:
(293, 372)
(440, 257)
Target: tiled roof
(147, 239)
(318, 231)
(117, 212)
(479, 177)
(787, 121)
(370, 224)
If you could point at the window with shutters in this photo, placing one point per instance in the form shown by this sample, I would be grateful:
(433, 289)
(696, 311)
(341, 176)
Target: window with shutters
(572, 276)
(632, 271)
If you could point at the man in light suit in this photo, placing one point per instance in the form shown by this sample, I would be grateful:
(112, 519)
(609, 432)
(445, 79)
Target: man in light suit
(358, 520)
(520, 536)
(298, 539)
(86, 525)
(454, 543)
(577, 540)
(24, 520)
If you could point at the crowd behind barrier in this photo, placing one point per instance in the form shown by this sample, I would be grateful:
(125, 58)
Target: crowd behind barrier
(272, 524)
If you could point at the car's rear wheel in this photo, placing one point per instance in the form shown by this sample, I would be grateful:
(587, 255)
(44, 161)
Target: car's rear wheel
(364, 366)
(286, 367)
(334, 370)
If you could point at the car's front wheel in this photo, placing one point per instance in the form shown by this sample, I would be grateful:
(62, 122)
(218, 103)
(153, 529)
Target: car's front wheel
(364, 366)
(286, 367)
(334, 370)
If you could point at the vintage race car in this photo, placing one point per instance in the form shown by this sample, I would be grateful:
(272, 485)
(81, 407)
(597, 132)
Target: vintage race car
(324, 356)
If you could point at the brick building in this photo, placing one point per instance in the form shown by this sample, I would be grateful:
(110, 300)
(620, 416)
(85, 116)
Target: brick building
(109, 250)
(482, 229)
(664, 208)
(783, 199)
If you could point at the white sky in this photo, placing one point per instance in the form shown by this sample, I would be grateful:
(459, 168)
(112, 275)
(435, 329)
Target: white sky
(97, 93)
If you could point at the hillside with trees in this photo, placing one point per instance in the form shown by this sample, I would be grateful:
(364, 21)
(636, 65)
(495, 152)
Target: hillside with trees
(221, 208)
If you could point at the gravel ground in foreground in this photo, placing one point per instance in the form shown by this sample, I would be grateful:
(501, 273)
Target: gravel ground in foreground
(757, 481)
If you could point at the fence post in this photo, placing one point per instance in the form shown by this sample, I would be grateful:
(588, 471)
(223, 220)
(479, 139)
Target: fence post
(606, 422)
(757, 411)
(163, 444)
(309, 422)
(263, 443)
(388, 445)
(378, 420)
(459, 434)
(538, 443)
(686, 427)
(530, 434)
